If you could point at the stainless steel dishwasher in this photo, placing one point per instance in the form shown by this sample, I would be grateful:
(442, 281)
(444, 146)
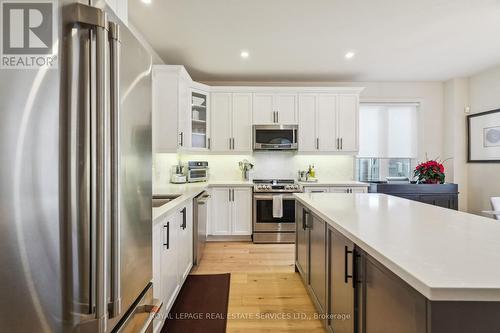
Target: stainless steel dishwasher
(200, 226)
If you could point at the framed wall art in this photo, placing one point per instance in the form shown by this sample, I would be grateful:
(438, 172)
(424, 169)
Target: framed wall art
(484, 137)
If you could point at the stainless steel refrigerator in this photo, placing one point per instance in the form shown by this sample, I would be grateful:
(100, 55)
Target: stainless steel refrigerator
(75, 182)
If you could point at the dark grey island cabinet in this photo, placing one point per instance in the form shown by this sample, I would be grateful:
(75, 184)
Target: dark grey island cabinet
(354, 293)
(442, 195)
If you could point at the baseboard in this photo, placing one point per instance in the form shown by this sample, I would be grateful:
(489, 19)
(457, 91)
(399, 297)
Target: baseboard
(229, 238)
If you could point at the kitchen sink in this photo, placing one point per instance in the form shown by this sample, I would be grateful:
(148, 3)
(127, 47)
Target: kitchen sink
(160, 200)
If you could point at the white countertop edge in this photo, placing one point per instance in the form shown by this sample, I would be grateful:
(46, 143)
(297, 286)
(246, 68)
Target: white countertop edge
(435, 293)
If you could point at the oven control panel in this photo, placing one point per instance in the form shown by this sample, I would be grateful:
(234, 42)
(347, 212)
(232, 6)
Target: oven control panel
(277, 188)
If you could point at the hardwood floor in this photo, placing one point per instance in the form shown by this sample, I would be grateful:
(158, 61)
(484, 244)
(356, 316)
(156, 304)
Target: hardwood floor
(266, 295)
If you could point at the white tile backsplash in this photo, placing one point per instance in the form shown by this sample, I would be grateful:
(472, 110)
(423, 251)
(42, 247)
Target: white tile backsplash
(267, 165)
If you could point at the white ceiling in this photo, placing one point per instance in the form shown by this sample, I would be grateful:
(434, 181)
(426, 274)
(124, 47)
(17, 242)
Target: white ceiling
(306, 40)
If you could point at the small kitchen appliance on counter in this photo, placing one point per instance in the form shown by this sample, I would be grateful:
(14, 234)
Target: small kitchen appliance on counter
(270, 224)
(197, 171)
(178, 174)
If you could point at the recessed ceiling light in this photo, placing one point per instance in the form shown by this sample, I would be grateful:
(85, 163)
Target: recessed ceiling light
(147, 2)
(244, 54)
(350, 55)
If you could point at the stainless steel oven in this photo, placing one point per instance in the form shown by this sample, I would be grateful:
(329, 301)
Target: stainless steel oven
(266, 227)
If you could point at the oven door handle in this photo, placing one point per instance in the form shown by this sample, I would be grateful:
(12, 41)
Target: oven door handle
(270, 196)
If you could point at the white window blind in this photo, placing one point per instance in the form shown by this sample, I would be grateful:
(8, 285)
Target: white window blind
(388, 130)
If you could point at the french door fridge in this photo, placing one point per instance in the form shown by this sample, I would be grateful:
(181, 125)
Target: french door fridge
(75, 182)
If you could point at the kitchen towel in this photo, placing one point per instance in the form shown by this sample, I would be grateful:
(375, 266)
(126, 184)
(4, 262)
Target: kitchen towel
(278, 206)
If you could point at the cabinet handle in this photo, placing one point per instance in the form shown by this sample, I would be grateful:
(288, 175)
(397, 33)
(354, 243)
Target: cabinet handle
(233, 143)
(167, 242)
(229, 143)
(346, 257)
(229, 194)
(341, 144)
(338, 144)
(183, 212)
(304, 221)
(317, 143)
(182, 139)
(274, 116)
(277, 116)
(208, 143)
(232, 194)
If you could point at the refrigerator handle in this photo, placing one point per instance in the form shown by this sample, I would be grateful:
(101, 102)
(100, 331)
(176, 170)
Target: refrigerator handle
(114, 306)
(95, 20)
(101, 190)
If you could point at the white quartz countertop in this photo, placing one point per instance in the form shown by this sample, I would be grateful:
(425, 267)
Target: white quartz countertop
(187, 192)
(442, 253)
(351, 183)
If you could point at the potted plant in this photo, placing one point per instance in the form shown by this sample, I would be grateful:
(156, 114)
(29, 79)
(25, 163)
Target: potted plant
(430, 172)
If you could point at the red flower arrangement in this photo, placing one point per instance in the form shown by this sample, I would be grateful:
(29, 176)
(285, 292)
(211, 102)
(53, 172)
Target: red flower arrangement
(430, 172)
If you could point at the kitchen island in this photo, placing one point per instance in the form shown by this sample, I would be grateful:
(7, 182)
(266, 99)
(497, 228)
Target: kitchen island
(378, 263)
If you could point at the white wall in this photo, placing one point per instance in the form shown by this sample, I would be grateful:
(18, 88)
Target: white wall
(455, 146)
(483, 178)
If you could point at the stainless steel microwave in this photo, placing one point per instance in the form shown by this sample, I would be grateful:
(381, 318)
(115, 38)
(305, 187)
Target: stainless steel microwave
(275, 137)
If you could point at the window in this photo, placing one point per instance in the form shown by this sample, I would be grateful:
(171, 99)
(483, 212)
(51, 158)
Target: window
(388, 141)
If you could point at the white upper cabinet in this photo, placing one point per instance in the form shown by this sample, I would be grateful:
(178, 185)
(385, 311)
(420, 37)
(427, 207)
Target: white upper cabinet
(199, 118)
(263, 109)
(220, 139)
(242, 122)
(348, 113)
(120, 7)
(231, 122)
(181, 111)
(328, 122)
(307, 122)
(170, 101)
(275, 108)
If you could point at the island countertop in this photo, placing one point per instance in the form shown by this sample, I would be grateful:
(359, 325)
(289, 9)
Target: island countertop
(444, 254)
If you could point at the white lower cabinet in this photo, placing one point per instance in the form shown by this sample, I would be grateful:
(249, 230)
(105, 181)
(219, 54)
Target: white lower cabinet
(231, 211)
(172, 257)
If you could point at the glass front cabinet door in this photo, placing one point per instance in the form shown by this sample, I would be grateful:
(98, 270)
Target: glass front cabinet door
(199, 119)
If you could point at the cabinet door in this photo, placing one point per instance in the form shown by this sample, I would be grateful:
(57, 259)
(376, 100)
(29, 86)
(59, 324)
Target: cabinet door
(340, 282)
(315, 189)
(391, 306)
(221, 211)
(263, 109)
(347, 117)
(241, 211)
(339, 189)
(242, 122)
(169, 260)
(286, 105)
(326, 123)
(184, 109)
(444, 201)
(185, 229)
(221, 122)
(307, 122)
(200, 118)
(302, 242)
(317, 263)
(165, 112)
